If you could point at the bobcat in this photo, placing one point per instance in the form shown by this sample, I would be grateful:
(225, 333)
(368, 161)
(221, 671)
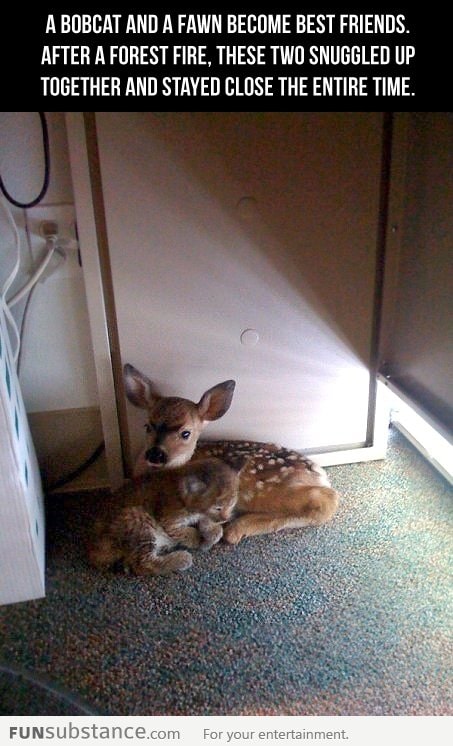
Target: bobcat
(184, 506)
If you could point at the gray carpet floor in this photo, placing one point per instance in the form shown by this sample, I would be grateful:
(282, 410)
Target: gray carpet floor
(352, 618)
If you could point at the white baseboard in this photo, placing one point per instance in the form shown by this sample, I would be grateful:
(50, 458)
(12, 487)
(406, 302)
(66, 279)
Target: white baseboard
(374, 452)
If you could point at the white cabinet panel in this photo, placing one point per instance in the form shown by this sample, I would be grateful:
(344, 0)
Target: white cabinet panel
(222, 222)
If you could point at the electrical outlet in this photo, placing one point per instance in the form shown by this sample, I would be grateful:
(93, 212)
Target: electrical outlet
(39, 225)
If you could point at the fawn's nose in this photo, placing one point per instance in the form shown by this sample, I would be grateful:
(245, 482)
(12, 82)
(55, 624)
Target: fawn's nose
(156, 456)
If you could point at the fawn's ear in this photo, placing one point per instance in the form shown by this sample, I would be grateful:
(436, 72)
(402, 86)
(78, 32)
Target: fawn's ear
(216, 401)
(139, 389)
(191, 486)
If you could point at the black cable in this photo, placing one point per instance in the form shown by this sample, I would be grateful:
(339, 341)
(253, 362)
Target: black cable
(80, 469)
(45, 145)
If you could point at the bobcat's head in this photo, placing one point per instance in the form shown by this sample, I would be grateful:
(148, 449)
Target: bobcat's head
(210, 486)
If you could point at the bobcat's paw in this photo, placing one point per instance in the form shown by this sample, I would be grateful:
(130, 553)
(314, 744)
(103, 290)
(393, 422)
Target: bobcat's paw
(180, 561)
(191, 538)
(211, 537)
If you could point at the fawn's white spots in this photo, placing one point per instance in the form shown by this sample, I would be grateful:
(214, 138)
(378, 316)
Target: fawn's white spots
(269, 466)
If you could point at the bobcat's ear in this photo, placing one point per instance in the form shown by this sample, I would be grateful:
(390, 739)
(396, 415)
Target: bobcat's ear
(236, 463)
(192, 486)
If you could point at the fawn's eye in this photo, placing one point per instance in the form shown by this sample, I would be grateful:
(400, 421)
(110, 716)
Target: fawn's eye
(149, 427)
(185, 434)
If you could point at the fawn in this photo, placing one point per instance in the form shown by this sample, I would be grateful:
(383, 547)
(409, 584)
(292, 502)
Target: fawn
(278, 488)
(184, 507)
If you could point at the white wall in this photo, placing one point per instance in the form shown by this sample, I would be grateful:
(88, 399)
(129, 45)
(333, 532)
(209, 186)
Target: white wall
(218, 222)
(57, 370)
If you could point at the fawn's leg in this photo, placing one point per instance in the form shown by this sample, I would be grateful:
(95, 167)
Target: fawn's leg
(252, 524)
(296, 508)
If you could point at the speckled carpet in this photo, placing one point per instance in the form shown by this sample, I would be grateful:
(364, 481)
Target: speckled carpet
(352, 618)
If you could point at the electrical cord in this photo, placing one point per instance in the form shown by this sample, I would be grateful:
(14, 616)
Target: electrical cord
(9, 281)
(30, 286)
(7, 197)
(23, 327)
(36, 275)
(31, 289)
(45, 185)
(67, 478)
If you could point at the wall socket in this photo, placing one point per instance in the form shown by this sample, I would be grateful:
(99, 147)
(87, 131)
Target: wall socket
(41, 222)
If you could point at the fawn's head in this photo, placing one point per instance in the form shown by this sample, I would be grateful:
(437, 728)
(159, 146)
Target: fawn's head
(174, 424)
